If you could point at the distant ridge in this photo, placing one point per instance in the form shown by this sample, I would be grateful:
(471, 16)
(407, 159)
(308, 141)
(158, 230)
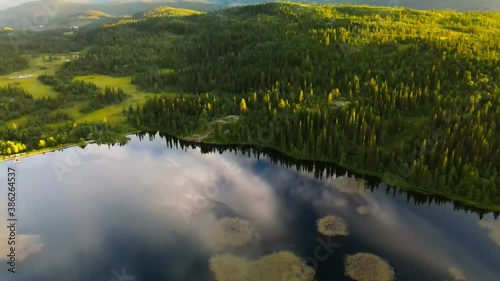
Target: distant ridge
(458, 5)
(55, 14)
(32, 15)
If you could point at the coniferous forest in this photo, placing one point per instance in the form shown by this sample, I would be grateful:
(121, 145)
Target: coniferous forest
(410, 96)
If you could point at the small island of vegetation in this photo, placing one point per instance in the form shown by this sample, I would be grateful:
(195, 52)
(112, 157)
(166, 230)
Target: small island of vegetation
(332, 226)
(233, 232)
(368, 267)
(282, 265)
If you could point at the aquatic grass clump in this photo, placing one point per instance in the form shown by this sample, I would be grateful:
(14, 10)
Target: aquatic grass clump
(281, 266)
(368, 267)
(277, 266)
(233, 232)
(350, 185)
(228, 267)
(332, 226)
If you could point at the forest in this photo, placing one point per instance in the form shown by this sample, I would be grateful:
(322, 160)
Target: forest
(37, 132)
(409, 96)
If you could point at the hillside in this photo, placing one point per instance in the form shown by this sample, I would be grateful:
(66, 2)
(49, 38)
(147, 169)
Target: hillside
(22, 16)
(168, 12)
(81, 19)
(457, 5)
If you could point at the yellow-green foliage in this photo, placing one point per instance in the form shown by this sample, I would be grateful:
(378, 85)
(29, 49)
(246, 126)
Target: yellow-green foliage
(121, 22)
(42, 143)
(97, 14)
(112, 113)
(277, 266)
(332, 226)
(32, 85)
(156, 13)
(233, 232)
(103, 81)
(368, 267)
(10, 147)
(399, 24)
(7, 28)
(165, 11)
(228, 267)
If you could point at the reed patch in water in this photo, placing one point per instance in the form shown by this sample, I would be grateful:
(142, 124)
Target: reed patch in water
(233, 232)
(332, 226)
(368, 267)
(277, 266)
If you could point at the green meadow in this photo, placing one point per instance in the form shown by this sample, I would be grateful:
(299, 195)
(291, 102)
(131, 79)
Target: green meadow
(113, 113)
(28, 78)
(44, 64)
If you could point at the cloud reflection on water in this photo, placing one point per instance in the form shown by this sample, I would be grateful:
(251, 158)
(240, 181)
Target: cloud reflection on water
(25, 244)
(412, 237)
(139, 194)
(494, 229)
(250, 196)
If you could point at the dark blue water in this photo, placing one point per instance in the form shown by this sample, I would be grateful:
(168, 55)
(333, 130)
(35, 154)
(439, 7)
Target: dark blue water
(141, 212)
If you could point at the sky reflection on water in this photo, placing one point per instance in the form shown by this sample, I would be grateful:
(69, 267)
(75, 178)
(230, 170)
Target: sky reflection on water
(147, 209)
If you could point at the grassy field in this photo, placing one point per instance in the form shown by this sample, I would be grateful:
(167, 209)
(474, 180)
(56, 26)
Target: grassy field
(28, 78)
(21, 121)
(112, 113)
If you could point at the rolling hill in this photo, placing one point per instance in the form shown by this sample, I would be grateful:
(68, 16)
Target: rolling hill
(65, 14)
(457, 5)
(32, 16)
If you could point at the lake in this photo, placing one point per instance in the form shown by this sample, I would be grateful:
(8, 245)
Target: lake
(146, 211)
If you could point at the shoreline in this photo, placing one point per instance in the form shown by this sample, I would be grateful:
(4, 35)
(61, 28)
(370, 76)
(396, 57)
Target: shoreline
(388, 178)
(12, 157)
(385, 177)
